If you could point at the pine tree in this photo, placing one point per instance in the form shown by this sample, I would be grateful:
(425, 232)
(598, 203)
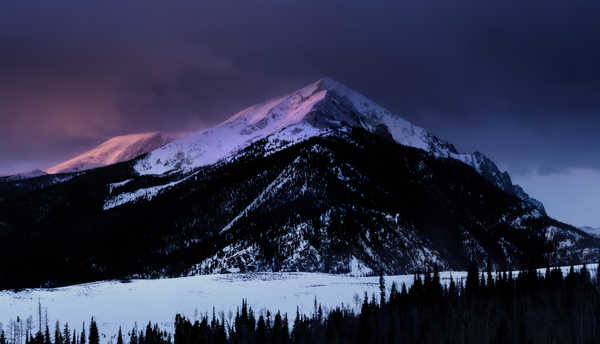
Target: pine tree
(403, 291)
(598, 276)
(268, 320)
(133, 339)
(393, 293)
(437, 288)
(296, 327)
(286, 329)
(490, 279)
(120, 336)
(2, 338)
(149, 335)
(66, 334)
(47, 335)
(365, 304)
(57, 335)
(584, 274)
(39, 338)
(279, 333)
(472, 285)
(40, 316)
(452, 292)
(94, 336)
(213, 322)
(82, 338)
(320, 314)
(261, 330)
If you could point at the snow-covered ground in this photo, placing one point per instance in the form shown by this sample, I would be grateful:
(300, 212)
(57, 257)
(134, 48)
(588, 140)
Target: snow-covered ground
(114, 304)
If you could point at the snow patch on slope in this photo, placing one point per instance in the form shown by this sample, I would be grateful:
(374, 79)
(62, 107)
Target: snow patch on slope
(143, 193)
(565, 240)
(359, 268)
(113, 186)
(272, 188)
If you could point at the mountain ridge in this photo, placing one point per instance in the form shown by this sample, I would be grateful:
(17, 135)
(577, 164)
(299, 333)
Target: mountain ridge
(313, 110)
(23, 175)
(115, 149)
(595, 231)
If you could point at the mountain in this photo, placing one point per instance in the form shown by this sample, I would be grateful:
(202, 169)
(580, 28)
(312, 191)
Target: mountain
(111, 151)
(24, 175)
(314, 110)
(591, 230)
(319, 180)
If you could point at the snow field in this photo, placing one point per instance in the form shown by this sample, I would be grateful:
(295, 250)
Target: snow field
(114, 303)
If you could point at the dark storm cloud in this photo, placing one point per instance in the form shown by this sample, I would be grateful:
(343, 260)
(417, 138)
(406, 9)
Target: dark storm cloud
(518, 80)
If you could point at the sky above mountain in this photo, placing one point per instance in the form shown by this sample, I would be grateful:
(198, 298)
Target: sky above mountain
(517, 80)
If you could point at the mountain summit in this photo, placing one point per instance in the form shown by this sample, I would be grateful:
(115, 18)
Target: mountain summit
(314, 110)
(325, 107)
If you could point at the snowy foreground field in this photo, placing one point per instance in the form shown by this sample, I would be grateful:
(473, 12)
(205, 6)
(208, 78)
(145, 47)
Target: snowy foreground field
(115, 304)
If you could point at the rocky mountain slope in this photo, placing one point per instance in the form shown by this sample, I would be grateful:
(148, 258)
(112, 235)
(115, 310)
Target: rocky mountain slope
(320, 180)
(591, 230)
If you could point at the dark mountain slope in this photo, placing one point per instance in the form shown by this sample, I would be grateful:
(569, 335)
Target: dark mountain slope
(353, 201)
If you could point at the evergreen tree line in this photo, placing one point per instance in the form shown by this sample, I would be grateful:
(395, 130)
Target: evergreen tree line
(61, 335)
(489, 308)
(495, 308)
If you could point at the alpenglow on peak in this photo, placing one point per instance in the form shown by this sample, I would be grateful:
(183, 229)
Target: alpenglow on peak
(314, 110)
(324, 107)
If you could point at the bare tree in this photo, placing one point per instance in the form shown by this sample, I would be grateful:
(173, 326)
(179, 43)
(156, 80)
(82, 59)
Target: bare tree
(40, 315)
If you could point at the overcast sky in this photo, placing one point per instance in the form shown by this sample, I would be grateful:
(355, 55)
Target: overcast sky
(516, 80)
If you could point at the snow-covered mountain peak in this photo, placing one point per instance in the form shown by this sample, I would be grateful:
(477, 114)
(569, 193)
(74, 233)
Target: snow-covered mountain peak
(325, 103)
(314, 110)
(111, 151)
(280, 112)
(324, 107)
